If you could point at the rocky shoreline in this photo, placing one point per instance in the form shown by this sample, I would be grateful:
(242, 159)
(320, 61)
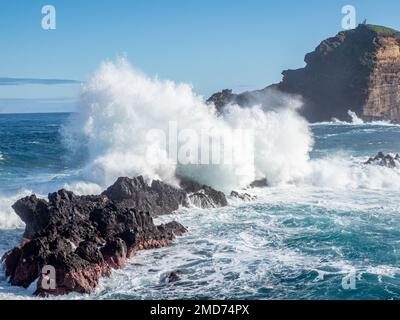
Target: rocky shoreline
(75, 240)
(82, 238)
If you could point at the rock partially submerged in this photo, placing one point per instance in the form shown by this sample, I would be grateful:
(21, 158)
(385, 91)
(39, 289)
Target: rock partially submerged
(82, 237)
(384, 160)
(243, 196)
(160, 198)
(203, 196)
(169, 277)
(262, 183)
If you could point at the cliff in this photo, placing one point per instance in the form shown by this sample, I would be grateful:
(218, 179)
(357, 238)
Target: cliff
(357, 69)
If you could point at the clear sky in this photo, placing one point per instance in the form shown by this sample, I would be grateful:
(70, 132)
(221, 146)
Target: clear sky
(212, 44)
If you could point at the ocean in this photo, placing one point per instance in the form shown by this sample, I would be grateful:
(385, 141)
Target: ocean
(333, 234)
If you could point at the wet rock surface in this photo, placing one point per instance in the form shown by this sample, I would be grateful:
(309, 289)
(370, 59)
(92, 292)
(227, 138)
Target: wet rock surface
(203, 196)
(384, 160)
(243, 196)
(160, 198)
(262, 183)
(170, 277)
(82, 237)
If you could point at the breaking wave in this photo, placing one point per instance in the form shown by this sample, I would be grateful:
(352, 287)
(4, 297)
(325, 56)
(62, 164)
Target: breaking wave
(8, 218)
(354, 118)
(356, 121)
(121, 105)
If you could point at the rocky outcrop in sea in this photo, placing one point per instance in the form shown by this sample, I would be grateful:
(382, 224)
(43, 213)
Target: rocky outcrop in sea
(383, 160)
(160, 198)
(84, 237)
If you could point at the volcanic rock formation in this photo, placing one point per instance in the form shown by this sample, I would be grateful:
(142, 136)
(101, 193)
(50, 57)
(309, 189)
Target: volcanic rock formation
(84, 237)
(385, 160)
(160, 198)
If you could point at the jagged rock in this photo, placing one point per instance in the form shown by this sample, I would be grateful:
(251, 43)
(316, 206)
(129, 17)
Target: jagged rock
(161, 198)
(357, 69)
(384, 160)
(170, 277)
(33, 212)
(201, 200)
(223, 98)
(269, 98)
(262, 183)
(203, 196)
(243, 196)
(82, 237)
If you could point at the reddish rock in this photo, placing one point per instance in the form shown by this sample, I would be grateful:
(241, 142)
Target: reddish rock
(82, 237)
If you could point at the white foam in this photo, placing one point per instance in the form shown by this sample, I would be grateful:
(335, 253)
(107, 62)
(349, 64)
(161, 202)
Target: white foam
(8, 218)
(83, 188)
(337, 172)
(355, 121)
(354, 118)
(120, 105)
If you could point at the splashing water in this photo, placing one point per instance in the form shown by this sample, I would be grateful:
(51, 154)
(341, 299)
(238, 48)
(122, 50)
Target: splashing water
(121, 105)
(325, 216)
(354, 118)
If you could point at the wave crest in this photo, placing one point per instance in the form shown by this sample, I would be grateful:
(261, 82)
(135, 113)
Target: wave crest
(120, 105)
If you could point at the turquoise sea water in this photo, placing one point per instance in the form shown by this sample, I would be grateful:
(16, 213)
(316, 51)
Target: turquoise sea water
(298, 241)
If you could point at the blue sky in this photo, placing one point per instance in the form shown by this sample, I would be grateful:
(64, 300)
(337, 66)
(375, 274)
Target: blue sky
(212, 44)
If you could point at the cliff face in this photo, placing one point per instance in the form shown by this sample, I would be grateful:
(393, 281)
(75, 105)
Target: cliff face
(336, 76)
(357, 69)
(384, 83)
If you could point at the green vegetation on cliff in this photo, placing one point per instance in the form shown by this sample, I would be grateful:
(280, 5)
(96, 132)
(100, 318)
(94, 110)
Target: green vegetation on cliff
(381, 30)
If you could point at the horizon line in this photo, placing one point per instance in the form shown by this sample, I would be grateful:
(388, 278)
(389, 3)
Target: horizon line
(11, 81)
